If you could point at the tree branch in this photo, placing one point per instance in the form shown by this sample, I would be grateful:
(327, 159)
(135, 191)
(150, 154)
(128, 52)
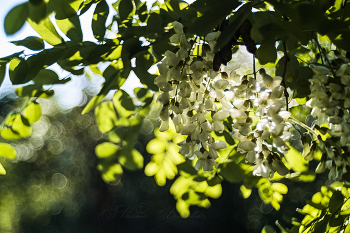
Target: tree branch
(284, 71)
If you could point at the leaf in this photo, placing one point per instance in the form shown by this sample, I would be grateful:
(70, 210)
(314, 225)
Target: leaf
(268, 229)
(296, 160)
(279, 187)
(155, 146)
(106, 117)
(16, 127)
(64, 8)
(130, 159)
(231, 172)
(267, 51)
(2, 71)
(18, 70)
(93, 103)
(47, 31)
(2, 170)
(31, 42)
(106, 150)
(16, 18)
(235, 22)
(71, 28)
(6, 150)
(46, 77)
(99, 20)
(292, 67)
(110, 172)
(336, 202)
(33, 90)
(32, 112)
(37, 11)
(143, 62)
(212, 17)
(154, 23)
(125, 8)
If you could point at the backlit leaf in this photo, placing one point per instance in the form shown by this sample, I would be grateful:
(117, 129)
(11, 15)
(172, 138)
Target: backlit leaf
(71, 28)
(32, 112)
(106, 150)
(99, 20)
(336, 202)
(6, 150)
(130, 159)
(47, 31)
(2, 170)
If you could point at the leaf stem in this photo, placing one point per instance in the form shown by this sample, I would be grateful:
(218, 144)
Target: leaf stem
(304, 126)
(284, 71)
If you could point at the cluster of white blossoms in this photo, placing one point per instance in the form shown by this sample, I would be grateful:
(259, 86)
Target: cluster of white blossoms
(330, 101)
(198, 100)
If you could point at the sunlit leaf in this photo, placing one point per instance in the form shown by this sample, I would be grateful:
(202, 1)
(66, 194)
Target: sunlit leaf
(32, 112)
(155, 146)
(214, 191)
(93, 103)
(106, 150)
(47, 31)
(16, 18)
(18, 70)
(123, 103)
(279, 187)
(110, 172)
(6, 150)
(245, 191)
(71, 28)
(2, 170)
(296, 160)
(130, 159)
(106, 117)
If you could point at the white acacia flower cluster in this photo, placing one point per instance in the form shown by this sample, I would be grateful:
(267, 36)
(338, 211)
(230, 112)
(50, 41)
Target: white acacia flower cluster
(198, 100)
(330, 100)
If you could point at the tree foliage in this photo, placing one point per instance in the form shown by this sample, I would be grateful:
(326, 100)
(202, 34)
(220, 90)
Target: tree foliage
(222, 119)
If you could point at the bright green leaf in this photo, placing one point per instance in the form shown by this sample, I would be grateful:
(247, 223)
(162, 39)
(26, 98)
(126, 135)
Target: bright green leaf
(47, 31)
(106, 149)
(32, 112)
(2, 170)
(106, 117)
(130, 159)
(71, 28)
(18, 70)
(6, 150)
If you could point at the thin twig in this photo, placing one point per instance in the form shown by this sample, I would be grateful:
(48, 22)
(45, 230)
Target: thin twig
(324, 54)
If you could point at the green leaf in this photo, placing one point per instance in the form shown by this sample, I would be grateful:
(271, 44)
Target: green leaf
(2, 71)
(33, 90)
(93, 103)
(71, 28)
(123, 103)
(10, 57)
(99, 20)
(301, 84)
(235, 22)
(130, 159)
(64, 8)
(16, 18)
(212, 17)
(267, 51)
(143, 62)
(6, 150)
(106, 117)
(47, 31)
(2, 170)
(292, 67)
(18, 70)
(31, 42)
(336, 202)
(37, 12)
(296, 160)
(32, 112)
(106, 150)
(16, 126)
(125, 8)
(46, 77)
(154, 23)
(231, 172)
(268, 229)
(110, 171)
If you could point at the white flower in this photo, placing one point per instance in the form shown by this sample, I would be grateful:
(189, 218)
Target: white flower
(178, 27)
(246, 145)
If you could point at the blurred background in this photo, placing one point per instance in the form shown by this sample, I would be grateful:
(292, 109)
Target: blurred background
(54, 186)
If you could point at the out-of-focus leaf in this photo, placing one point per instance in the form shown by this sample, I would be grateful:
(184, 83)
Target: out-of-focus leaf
(38, 11)
(235, 22)
(6, 150)
(32, 112)
(64, 8)
(47, 31)
(99, 20)
(17, 126)
(110, 172)
(30, 42)
(34, 90)
(106, 150)
(231, 172)
(2, 170)
(130, 159)
(106, 117)
(123, 103)
(268, 229)
(93, 103)
(336, 202)
(296, 160)
(16, 18)
(279, 187)
(154, 23)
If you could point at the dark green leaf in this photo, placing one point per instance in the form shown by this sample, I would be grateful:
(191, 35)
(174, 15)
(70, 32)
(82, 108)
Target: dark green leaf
(321, 226)
(64, 8)
(346, 176)
(214, 181)
(267, 52)
(334, 222)
(31, 42)
(18, 70)
(125, 8)
(8, 58)
(228, 138)
(85, 6)
(15, 19)
(46, 76)
(143, 62)
(336, 202)
(37, 12)
(33, 90)
(212, 17)
(292, 67)
(231, 172)
(154, 23)
(301, 84)
(142, 12)
(235, 22)
(99, 20)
